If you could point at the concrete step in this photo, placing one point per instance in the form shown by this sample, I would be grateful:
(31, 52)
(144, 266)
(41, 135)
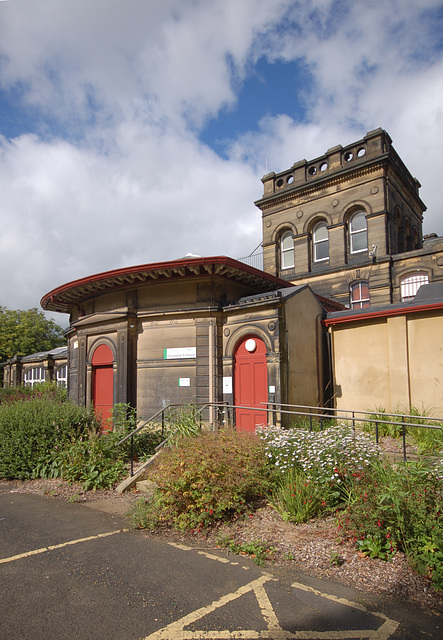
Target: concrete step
(130, 481)
(146, 487)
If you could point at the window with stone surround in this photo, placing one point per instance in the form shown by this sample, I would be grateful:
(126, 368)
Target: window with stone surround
(359, 295)
(287, 250)
(411, 283)
(320, 240)
(358, 233)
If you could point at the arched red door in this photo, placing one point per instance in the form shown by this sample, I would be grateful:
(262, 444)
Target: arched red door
(250, 382)
(102, 383)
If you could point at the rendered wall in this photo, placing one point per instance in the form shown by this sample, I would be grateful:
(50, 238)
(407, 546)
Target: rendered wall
(391, 363)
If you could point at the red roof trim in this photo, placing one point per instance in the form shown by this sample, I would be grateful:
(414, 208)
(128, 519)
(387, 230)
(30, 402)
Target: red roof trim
(50, 299)
(385, 313)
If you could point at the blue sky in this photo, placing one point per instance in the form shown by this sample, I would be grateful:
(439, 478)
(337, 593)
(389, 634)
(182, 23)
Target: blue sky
(138, 131)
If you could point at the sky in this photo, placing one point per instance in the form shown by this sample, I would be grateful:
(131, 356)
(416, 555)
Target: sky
(137, 131)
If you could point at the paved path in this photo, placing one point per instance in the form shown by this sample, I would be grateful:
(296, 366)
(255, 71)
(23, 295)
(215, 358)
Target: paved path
(71, 571)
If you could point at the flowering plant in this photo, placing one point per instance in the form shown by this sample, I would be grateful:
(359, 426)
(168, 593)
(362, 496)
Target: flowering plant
(333, 457)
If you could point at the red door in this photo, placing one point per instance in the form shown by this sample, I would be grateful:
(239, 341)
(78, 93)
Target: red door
(103, 384)
(250, 383)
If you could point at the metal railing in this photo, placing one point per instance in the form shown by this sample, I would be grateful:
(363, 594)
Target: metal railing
(163, 415)
(225, 414)
(362, 417)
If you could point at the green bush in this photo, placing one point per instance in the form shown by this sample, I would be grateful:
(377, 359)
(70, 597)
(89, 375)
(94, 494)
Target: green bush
(31, 429)
(205, 479)
(400, 507)
(92, 462)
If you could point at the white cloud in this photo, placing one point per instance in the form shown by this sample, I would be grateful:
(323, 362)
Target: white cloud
(117, 174)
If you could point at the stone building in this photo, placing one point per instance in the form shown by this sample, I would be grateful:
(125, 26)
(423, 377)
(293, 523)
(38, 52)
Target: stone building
(335, 316)
(193, 330)
(349, 224)
(46, 366)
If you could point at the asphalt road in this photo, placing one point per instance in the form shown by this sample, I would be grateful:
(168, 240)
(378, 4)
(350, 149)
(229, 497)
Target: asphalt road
(70, 571)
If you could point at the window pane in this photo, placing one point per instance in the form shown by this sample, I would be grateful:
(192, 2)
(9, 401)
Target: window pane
(359, 241)
(287, 259)
(358, 222)
(287, 242)
(322, 251)
(364, 290)
(320, 233)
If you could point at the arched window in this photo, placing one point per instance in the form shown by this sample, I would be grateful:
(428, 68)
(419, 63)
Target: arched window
(358, 233)
(287, 250)
(320, 239)
(411, 283)
(33, 376)
(359, 295)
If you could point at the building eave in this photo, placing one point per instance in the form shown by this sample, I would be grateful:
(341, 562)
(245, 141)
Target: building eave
(66, 296)
(382, 313)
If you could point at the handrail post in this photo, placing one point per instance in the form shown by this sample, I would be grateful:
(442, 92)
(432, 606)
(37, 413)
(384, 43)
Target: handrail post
(132, 455)
(310, 419)
(163, 423)
(403, 433)
(376, 432)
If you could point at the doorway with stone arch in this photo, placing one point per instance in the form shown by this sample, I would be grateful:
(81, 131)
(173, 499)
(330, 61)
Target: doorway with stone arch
(250, 383)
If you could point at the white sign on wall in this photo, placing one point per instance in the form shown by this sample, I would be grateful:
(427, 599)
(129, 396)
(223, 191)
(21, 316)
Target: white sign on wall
(177, 353)
(227, 384)
(184, 382)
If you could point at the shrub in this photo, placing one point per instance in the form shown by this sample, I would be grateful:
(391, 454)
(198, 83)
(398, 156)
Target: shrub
(400, 507)
(205, 479)
(31, 429)
(92, 462)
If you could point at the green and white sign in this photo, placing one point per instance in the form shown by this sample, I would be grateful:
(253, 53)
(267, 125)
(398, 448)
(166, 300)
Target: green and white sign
(178, 353)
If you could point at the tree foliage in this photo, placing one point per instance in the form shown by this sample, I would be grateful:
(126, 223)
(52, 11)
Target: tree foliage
(26, 332)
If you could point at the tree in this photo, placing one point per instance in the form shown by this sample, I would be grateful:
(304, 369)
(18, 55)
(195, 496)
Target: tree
(26, 332)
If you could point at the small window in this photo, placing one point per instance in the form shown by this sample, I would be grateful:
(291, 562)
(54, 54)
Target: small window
(321, 242)
(33, 376)
(411, 283)
(359, 295)
(61, 376)
(358, 232)
(287, 251)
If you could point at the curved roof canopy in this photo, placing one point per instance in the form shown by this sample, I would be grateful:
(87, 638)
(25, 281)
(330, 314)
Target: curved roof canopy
(73, 293)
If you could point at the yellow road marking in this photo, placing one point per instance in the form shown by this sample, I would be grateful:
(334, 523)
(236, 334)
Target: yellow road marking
(328, 596)
(177, 630)
(382, 633)
(211, 556)
(59, 546)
